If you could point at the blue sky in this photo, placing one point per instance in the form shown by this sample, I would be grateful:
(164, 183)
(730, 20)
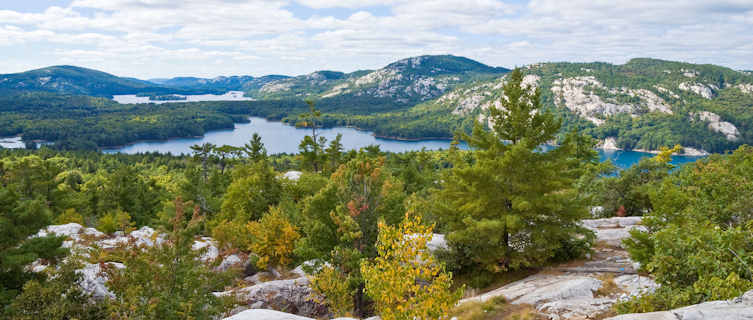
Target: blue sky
(207, 38)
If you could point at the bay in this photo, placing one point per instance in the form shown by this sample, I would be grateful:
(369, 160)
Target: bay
(281, 138)
(228, 96)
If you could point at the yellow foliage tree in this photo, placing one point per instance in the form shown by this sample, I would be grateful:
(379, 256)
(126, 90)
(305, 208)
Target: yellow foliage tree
(332, 288)
(117, 220)
(70, 216)
(665, 154)
(273, 239)
(405, 280)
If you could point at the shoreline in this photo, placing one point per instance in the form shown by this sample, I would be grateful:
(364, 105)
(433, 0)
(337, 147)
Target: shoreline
(606, 145)
(610, 144)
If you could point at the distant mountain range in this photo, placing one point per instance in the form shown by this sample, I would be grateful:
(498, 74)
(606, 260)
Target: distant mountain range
(78, 81)
(405, 81)
(643, 104)
(233, 83)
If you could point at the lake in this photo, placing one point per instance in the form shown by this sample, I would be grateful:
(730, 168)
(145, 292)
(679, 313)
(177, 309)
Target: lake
(12, 143)
(281, 138)
(228, 96)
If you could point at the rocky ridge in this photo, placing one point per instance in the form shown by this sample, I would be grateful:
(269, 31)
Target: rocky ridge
(704, 90)
(406, 81)
(717, 125)
(579, 95)
(663, 91)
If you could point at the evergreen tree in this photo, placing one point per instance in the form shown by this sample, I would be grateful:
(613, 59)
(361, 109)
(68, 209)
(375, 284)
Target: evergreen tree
(311, 146)
(514, 205)
(334, 153)
(255, 149)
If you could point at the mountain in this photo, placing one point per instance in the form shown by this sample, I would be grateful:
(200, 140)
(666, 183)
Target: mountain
(643, 104)
(77, 80)
(220, 84)
(404, 82)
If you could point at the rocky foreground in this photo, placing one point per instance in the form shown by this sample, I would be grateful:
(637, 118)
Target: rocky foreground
(585, 289)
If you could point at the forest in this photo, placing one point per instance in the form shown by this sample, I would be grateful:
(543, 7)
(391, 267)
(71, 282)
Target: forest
(365, 217)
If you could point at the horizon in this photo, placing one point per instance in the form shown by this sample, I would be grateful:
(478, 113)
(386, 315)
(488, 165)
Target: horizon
(149, 39)
(168, 77)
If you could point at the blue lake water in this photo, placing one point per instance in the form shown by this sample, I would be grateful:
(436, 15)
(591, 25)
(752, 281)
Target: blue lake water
(281, 138)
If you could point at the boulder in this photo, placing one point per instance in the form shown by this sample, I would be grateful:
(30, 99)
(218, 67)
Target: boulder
(264, 314)
(312, 265)
(613, 230)
(93, 279)
(635, 285)
(555, 289)
(146, 236)
(716, 310)
(437, 242)
(662, 315)
(210, 249)
(73, 231)
(558, 296)
(567, 296)
(575, 308)
(293, 295)
(614, 222)
(230, 261)
(614, 237)
(292, 175)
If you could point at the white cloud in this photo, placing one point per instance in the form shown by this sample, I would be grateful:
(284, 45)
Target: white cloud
(147, 38)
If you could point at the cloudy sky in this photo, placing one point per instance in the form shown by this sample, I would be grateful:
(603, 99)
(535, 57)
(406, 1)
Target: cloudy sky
(161, 38)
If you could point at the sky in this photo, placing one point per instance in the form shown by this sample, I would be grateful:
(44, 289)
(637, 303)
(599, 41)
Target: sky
(208, 38)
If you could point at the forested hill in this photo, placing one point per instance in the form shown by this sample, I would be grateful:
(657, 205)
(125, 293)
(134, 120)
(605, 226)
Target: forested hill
(643, 104)
(232, 83)
(78, 81)
(404, 82)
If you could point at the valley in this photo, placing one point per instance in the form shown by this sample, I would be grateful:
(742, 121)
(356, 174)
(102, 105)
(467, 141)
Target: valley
(641, 105)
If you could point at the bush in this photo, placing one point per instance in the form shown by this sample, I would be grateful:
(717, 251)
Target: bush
(57, 299)
(700, 234)
(70, 216)
(115, 221)
(273, 239)
(232, 234)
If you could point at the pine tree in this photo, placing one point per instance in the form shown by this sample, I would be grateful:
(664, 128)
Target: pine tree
(514, 205)
(255, 149)
(311, 146)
